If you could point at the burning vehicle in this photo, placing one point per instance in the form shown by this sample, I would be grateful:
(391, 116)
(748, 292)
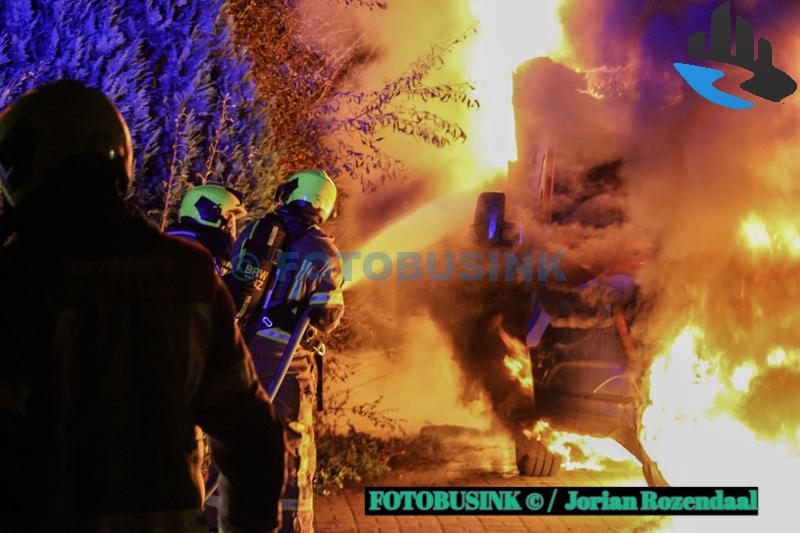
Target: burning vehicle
(585, 370)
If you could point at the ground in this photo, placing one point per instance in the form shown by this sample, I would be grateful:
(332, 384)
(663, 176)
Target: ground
(485, 463)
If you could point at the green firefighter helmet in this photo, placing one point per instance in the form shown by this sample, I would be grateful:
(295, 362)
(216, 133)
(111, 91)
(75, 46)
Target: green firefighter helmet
(57, 127)
(212, 205)
(311, 189)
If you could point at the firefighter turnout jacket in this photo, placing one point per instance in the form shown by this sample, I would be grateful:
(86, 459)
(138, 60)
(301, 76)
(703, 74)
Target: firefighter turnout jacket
(217, 242)
(309, 274)
(117, 340)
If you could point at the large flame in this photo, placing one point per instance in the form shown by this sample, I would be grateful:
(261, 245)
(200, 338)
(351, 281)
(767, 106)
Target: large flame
(509, 33)
(691, 429)
(721, 418)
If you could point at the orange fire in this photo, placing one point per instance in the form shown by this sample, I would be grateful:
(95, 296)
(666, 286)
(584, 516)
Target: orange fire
(517, 361)
(507, 35)
(726, 414)
(693, 430)
(698, 424)
(577, 451)
(775, 236)
(581, 452)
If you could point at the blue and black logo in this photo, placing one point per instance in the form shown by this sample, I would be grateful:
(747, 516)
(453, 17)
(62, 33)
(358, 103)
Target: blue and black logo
(768, 82)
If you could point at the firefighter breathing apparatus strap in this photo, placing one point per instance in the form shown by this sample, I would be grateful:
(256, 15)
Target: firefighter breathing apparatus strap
(284, 315)
(256, 261)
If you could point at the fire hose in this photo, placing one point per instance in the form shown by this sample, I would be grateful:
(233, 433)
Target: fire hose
(299, 332)
(278, 377)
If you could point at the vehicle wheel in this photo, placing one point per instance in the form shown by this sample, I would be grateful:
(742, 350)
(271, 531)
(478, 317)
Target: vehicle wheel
(534, 459)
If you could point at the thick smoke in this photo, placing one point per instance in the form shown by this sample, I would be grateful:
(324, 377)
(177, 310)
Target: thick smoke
(696, 171)
(470, 314)
(404, 358)
(715, 191)
(689, 173)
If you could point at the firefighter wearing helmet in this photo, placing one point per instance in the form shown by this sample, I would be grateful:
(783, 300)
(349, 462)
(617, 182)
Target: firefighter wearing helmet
(307, 281)
(116, 341)
(207, 216)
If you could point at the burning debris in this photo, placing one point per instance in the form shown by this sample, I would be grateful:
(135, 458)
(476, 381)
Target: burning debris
(580, 452)
(576, 451)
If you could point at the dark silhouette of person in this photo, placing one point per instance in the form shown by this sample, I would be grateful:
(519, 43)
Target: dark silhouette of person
(116, 342)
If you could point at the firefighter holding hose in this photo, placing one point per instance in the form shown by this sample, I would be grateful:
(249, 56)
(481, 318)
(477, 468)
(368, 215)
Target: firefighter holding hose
(287, 274)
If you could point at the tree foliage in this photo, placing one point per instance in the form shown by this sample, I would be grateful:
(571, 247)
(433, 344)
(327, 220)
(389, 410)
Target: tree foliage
(205, 102)
(315, 122)
(172, 70)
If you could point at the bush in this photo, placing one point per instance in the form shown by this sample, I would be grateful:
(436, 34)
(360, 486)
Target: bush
(356, 458)
(346, 459)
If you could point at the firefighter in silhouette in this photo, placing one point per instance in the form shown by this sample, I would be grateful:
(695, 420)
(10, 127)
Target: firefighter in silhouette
(117, 340)
(207, 216)
(306, 279)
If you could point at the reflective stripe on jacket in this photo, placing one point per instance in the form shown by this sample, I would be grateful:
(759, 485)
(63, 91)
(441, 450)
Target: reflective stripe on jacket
(309, 274)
